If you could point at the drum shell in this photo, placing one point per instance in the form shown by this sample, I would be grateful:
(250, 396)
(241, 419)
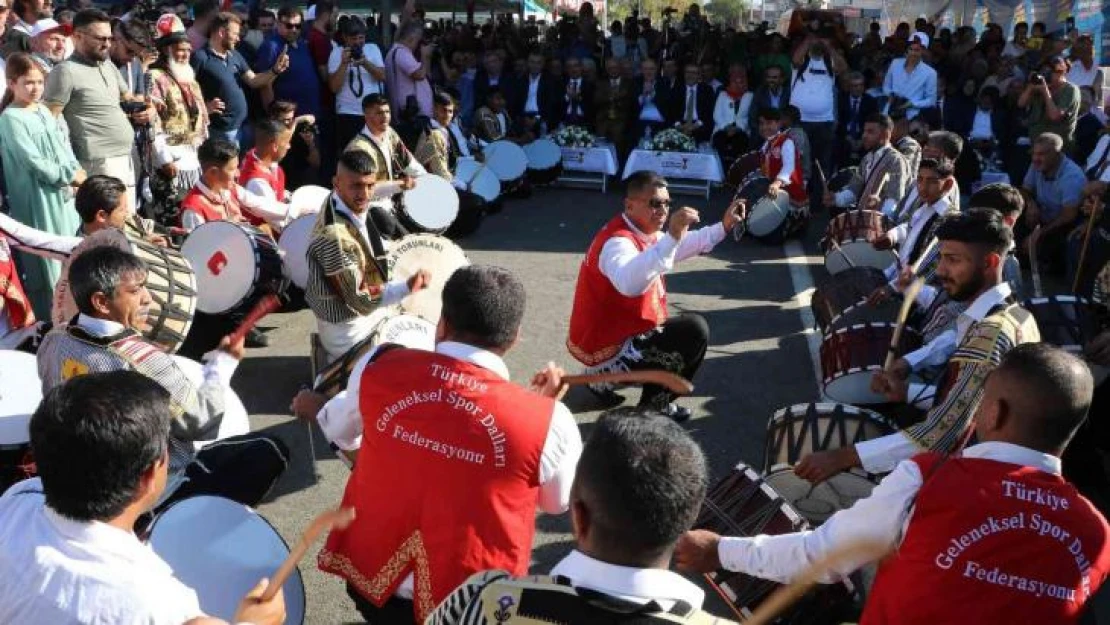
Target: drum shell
(797, 431)
(442, 194)
(843, 290)
(849, 357)
(852, 233)
(1070, 323)
(392, 326)
(267, 275)
(743, 167)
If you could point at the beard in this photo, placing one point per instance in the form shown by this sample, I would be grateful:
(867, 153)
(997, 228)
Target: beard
(181, 71)
(964, 292)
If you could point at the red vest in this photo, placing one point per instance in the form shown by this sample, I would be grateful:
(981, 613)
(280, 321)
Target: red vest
(602, 318)
(772, 165)
(275, 178)
(986, 546)
(198, 202)
(446, 481)
(13, 299)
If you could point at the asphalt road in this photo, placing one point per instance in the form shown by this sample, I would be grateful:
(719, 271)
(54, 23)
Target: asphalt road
(759, 357)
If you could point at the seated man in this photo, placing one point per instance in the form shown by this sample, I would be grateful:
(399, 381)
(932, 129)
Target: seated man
(623, 541)
(1053, 188)
(972, 246)
(68, 553)
(438, 152)
(261, 172)
(492, 121)
(394, 167)
(108, 288)
(348, 277)
(939, 144)
(692, 105)
(18, 327)
(217, 196)
(781, 162)
(619, 320)
(487, 452)
(993, 535)
(883, 173)
(652, 101)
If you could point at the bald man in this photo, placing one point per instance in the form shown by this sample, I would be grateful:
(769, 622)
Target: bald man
(993, 535)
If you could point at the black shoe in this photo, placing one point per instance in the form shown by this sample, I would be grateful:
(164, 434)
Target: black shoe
(678, 414)
(606, 394)
(255, 338)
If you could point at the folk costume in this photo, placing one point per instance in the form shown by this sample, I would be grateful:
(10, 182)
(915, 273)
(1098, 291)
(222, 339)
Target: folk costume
(18, 326)
(439, 151)
(883, 162)
(181, 127)
(392, 161)
(781, 159)
(203, 204)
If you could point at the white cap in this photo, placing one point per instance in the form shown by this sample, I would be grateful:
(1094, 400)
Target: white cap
(310, 14)
(44, 26)
(921, 38)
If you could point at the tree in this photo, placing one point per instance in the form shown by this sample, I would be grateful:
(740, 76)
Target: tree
(728, 12)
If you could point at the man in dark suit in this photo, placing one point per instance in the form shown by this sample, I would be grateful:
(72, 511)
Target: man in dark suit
(575, 102)
(692, 106)
(493, 74)
(613, 98)
(534, 97)
(652, 101)
(853, 108)
(773, 93)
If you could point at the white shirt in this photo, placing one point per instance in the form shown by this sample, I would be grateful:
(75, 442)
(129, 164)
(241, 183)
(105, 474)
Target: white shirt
(16, 235)
(879, 455)
(918, 86)
(341, 423)
(261, 187)
(726, 112)
(532, 103)
(814, 92)
(386, 189)
(690, 106)
(648, 111)
(347, 101)
(65, 572)
(881, 518)
(1097, 154)
(634, 585)
(905, 235)
(460, 138)
(1081, 76)
(981, 125)
(574, 108)
(632, 272)
(269, 209)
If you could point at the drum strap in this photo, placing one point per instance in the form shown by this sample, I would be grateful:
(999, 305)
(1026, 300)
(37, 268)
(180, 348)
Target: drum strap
(879, 167)
(377, 248)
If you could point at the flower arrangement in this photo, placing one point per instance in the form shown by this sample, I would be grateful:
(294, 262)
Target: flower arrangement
(672, 140)
(573, 137)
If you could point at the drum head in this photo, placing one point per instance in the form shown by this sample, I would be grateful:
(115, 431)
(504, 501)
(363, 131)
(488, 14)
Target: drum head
(817, 503)
(478, 178)
(507, 160)
(543, 154)
(293, 243)
(234, 421)
(20, 394)
(433, 203)
(225, 262)
(407, 330)
(308, 199)
(799, 430)
(858, 254)
(842, 178)
(768, 214)
(435, 254)
(221, 549)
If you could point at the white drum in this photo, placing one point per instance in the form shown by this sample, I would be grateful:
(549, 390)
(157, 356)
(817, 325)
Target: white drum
(235, 420)
(768, 215)
(430, 206)
(818, 503)
(20, 394)
(478, 179)
(408, 330)
(293, 244)
(507, 160)
(308, 199)
(437, 255)
(221, 549)
(545, 161)
(234, 264)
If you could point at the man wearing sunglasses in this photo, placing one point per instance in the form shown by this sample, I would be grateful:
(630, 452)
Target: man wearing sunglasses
(619, 321)
(301, 82)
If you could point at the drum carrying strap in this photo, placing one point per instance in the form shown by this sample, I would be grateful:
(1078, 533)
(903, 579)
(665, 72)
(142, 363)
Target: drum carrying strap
(877, 169)
(377, 248)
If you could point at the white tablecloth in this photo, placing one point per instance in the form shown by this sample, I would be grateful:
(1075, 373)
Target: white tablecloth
(701, 165)
(600, 159)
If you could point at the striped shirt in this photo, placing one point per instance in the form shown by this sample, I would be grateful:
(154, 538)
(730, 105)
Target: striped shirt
(345, 274)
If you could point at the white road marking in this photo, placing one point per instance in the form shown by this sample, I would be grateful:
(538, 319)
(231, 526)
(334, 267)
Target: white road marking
(799, 263)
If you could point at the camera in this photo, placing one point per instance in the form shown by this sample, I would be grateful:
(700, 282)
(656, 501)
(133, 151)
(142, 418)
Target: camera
(357, 53)
(1036, 77)
(305, 126)
(131, 108)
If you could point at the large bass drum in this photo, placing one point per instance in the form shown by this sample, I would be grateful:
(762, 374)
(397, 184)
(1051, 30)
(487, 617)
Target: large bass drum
(235, 264)
(545, 161)
(850, 356)
(848, 241)
(846, 289)
(430, 206)
(169, 279)
(508, 162)
(435, 254)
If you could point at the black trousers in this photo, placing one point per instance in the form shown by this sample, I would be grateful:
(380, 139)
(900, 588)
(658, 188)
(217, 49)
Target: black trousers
(822, 136)
(396, 611)
(241, 468)
(678, 346)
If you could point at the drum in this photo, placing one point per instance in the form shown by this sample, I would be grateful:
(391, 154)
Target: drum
(545, 161)
(767, 216)
(221, 549)
(170, 281)
(841, 179)
(742, 504)
(235, 264)
(392, 326)
(20, 394)
(308, 199)
(799, 430)
(849, 357)
(508, 162)
(842, 291)
(435, 254)
(1070, 323)
(863, 312)
(235, 420)
(430, 206)
(293, 243)
(848, 238)
(478, 178)
(742, 168)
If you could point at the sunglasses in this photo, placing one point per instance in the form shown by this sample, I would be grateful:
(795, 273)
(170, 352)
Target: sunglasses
(659, 204)
(291, 25)
(108, 39)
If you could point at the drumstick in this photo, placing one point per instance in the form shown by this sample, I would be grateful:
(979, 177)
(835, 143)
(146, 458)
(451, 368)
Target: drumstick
(1083, 250)
(673, 382)
(925, 254)
(1034, 269)
(882, 183)
(910, 295)
(268, 304)
(782, 598)
(336, 518)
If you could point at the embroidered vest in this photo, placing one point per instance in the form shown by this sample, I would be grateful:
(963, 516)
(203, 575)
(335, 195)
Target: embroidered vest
(13, 299)
(211, 209)
(253, 168)
(772, 165)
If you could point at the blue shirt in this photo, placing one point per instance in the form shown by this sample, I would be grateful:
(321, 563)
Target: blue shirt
(1054, 191)
(918, 86)
(221, 78)
(300, 83)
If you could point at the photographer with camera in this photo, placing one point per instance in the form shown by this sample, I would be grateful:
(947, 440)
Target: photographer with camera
(355, 70)
(407, 75)
(1051, 102)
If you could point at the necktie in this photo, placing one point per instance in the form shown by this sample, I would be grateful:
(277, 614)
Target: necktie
(689, 104)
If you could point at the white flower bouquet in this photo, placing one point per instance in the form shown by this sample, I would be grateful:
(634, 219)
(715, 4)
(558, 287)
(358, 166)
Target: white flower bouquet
(573, 137)
(672, 140)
